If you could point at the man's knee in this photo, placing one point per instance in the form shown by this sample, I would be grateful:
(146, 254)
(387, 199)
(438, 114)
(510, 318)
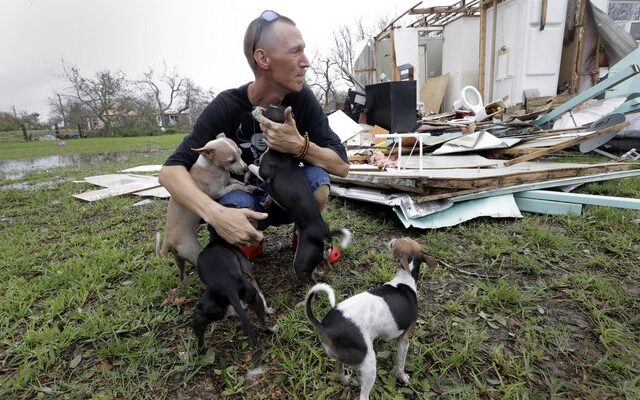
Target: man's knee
(319, 181)
(321, 195)
(239, 199)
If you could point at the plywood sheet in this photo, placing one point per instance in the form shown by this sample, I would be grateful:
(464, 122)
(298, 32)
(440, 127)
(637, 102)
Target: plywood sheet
(432, 93)
(118, 190)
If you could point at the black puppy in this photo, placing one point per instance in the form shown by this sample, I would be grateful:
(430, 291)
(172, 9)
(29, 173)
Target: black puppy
(288, 187)
(221, 267)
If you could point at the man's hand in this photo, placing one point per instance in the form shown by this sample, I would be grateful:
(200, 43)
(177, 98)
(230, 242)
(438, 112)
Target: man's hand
(285, 137)
(234, 225)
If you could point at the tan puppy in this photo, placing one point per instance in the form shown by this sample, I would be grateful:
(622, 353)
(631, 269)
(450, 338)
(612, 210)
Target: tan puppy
(211, 171)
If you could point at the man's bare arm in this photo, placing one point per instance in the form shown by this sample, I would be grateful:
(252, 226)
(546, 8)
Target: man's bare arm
(232, 224)
(327, 159)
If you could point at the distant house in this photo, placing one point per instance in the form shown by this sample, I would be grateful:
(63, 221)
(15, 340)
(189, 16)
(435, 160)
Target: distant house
(95, 123)
(171, 118)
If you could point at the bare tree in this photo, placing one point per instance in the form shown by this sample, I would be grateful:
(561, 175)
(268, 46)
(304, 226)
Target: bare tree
(100, 94)
(194, 98)
(164, 89)
(343, 54)
(331, 73)
(321, 83)
(57, 109)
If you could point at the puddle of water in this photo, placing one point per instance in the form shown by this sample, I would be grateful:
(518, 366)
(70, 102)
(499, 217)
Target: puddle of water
(33, 186)
(15, 169)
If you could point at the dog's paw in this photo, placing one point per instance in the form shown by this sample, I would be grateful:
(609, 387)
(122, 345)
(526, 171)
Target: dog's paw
(401, 375)
(231, 312)
(251, 189)
(269, 311)
(273, 329)
(254, 374)
(345, 379)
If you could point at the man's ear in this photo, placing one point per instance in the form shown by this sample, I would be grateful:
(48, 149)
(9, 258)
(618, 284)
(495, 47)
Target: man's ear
(261, 58)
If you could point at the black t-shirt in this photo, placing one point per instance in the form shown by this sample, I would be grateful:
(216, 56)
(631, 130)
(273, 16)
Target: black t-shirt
(230, 112)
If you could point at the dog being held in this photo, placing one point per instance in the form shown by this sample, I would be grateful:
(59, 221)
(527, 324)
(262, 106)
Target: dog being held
(211, 172)
(389, 311)
(288, 187)
(229, 281)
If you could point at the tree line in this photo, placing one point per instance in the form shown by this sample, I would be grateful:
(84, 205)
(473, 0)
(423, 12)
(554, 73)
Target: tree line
(113, 102)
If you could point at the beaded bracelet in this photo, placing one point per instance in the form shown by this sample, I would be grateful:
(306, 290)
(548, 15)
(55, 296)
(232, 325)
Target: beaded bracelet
(305, 148)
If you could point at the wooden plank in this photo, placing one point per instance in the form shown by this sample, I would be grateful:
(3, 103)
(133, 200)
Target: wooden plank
(113, 191)
(465, 178)
(493, 49)
(564, 145)
(515, 179)
(481, 173)
(574, 180)
(548, 207)
(482, 48)
(407, 185)
(395, 74)
(543, 15)
(433, 92)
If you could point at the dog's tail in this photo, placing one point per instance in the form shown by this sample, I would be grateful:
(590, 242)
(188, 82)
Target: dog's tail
(318, 287)
(346, 235)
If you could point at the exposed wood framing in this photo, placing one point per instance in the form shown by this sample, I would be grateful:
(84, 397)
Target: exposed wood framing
(383, 33)
(442, 15)
(430, 18)
(483, 7)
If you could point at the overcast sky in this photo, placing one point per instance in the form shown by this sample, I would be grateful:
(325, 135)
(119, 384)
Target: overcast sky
(202, 38)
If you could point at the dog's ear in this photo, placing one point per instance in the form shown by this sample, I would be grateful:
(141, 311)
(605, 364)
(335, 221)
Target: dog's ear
(205, 152)
(221, 135)
(429, 260)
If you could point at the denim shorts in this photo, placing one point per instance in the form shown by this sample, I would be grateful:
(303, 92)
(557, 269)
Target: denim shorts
(315, 177)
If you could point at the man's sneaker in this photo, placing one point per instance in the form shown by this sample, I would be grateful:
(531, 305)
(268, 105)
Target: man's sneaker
(334, 255)
(252, 252)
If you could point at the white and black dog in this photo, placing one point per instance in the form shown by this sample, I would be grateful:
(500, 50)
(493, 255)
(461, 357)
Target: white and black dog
(389, 311)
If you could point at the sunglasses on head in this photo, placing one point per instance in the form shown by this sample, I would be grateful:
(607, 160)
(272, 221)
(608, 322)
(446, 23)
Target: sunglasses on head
(266, 17)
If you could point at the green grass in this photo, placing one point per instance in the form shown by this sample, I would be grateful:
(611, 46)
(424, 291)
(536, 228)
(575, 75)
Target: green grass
(19, 150)
(81, 294)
